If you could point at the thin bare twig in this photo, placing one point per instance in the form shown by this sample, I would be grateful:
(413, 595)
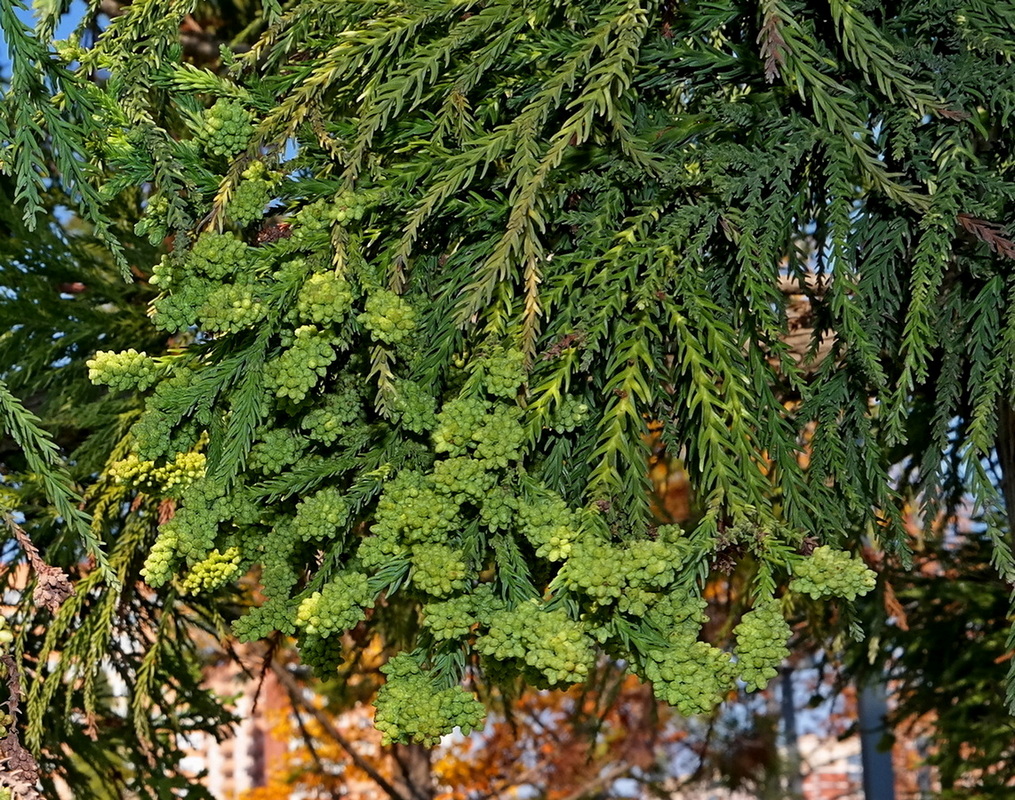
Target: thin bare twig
(328, 724)
(308, 739)
(600, 781)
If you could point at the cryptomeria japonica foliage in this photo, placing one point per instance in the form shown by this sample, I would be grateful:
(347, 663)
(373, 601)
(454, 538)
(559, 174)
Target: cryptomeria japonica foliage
(433, 268)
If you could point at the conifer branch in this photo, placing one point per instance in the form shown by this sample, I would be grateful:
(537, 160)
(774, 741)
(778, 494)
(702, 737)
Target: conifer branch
(989, 233)
(19, 771)
(43, 459)
(773, 45)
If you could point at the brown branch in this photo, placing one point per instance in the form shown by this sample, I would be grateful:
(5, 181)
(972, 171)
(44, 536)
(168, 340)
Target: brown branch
(615, 773)
(702, 752)
(414, 773)
(52, 585)
(773, 46)
(328, 724)
(990, 233)
(111, 8)
(894, 608)
(19, 772)
(509, 786)
(309, 739)
(809, 283)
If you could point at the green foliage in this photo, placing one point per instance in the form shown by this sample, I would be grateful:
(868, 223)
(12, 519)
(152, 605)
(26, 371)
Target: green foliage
(61, 291)
(556, 648)
(324, 299)
(253, 193)
(42, 459)
(31, 119)
(225, 129)
(450, 619)
(321, 515)
(214, 572)
(761, 644)
(123, 371)
(410, 706)
(944, 649)
(630, 576)
(338, 607)
(387, 317)
(832, 573)
(691, 675)
(511, 237)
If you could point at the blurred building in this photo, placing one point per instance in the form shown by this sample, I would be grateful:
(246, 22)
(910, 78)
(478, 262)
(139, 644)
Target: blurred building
(243, 761)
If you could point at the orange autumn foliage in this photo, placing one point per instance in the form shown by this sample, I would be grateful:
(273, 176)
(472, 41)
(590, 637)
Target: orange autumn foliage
(553, 745)
(316, 765)
(671, 488)
(557, 744)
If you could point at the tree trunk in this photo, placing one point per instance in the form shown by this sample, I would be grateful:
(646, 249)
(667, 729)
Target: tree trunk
(1006, 457)
(412, 776)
